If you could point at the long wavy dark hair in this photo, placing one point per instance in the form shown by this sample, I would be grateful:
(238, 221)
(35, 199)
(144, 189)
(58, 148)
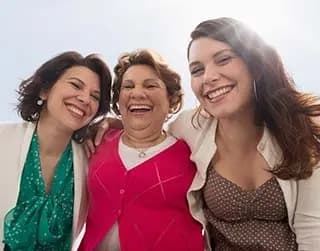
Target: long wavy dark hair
(290, 115)
(48, 74)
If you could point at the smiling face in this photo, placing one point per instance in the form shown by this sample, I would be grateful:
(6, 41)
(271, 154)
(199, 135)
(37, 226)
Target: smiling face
(219, 78)
(73, 100)
(143, 100)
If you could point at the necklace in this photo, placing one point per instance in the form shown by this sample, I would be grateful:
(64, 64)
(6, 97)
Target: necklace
(143, 152)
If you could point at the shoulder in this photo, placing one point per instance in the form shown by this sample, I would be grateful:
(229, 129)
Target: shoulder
(17, 128)
(188, 120)
(111, 135)
(13, 125)
(183, 120)
(181, 146)
(190, 129)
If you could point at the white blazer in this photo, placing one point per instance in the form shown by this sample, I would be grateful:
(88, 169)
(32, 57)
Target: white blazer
(15, 139)
(301, 197)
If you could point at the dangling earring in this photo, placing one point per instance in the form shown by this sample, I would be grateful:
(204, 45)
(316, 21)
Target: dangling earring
(78, 137)
(40, 102)
(204, 113)
(35, 116)
(255, 89)
(119, 116)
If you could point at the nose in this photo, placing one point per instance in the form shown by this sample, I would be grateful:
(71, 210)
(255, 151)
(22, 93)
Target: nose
(211, 75)
(138, 92)
(83, 98)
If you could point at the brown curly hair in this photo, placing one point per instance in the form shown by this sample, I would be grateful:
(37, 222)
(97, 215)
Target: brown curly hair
(171, 78)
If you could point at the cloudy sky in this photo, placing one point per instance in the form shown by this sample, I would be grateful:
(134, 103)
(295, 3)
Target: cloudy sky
(35, 30)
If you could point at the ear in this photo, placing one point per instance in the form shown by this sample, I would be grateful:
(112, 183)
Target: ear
(44, 95)
(173, 103)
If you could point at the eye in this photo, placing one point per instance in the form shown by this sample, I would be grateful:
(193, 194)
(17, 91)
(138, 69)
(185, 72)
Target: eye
(95, 97)
(196, 71)
(127, 86)
(223, 59)
(152, 85)
(75, 85)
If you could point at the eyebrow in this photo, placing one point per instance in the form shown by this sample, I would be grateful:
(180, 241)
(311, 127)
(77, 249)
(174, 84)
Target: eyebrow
(151, 79)
(78, 79)
(144, 81)
(83, 83)
(214, 55)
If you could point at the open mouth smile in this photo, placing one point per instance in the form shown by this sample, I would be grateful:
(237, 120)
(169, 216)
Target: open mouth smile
(219, 93)
(139, 108)
(75, 110)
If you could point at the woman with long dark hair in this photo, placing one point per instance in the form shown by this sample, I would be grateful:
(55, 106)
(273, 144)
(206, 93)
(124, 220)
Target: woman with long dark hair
(255, 141)
(43, 188)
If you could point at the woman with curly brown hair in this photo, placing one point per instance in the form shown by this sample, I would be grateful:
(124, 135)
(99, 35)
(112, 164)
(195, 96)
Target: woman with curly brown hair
(255, 141)
(42, 188)
(139, 176)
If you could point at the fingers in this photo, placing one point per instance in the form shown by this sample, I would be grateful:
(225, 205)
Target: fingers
(89, 147)
(87, 151)
(103, 127)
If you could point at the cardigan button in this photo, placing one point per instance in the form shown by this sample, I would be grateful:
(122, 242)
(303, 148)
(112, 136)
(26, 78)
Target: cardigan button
(122, 191)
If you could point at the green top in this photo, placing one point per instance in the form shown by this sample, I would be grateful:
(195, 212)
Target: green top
(40, 220)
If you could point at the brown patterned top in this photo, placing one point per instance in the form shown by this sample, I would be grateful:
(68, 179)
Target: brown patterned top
(246, 220)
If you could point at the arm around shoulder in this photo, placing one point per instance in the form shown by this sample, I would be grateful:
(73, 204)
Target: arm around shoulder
(179, 127)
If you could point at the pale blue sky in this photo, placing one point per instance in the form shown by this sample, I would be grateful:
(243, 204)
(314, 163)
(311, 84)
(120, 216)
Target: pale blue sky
(35, 30)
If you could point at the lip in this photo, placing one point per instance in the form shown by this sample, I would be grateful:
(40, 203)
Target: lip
(76, 110)
(220, 93)
(144, 108)
(218, 88)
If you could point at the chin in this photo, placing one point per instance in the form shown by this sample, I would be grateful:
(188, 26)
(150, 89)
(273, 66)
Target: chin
(73, 126)
(223, 113)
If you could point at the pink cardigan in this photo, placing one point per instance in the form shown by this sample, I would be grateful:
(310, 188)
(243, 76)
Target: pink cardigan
(148, 202)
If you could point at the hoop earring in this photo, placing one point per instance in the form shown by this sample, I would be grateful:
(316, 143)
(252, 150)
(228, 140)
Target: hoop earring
(204, 113)
(255, 90)
(168, 117)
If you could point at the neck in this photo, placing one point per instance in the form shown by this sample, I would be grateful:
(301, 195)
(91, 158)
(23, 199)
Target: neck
(141, 140)
(52, 140)
(239, 134)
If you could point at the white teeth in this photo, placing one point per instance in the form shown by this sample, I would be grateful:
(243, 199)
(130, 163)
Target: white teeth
(219, 92)
(75, 110)
(131, 107)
